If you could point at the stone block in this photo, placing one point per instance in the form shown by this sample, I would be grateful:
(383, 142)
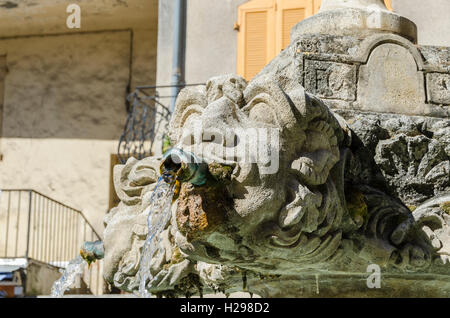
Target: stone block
(390, 82)
(438, 86)
(331, 80)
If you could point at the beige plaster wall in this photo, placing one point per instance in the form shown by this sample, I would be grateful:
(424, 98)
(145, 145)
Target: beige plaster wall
(64, 95)
(63, 114)
(25, 17)
(431, 18)
(211, 43)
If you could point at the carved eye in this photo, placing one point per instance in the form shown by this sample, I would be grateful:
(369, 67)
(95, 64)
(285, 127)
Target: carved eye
(262, 112)
(142, 176)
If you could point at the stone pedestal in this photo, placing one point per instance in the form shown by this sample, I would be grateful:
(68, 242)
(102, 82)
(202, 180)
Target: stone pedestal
(356, 54)
(358, 18)
(328, 5)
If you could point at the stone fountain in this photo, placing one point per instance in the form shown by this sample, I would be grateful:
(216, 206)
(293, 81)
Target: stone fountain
(357, 181)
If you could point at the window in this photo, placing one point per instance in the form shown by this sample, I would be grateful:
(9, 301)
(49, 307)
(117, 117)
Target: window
(264, 30)
(256, 39)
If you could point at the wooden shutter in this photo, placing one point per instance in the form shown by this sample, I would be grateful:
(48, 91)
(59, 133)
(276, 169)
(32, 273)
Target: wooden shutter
(388, 4)
(288, 14)
(256, 36)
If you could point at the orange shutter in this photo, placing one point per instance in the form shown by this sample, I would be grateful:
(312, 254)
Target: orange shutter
(289, 13)
(256, 36)
(388, 4)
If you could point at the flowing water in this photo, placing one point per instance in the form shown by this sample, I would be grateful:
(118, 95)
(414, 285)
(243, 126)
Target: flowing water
(159, 213)
(73, 269)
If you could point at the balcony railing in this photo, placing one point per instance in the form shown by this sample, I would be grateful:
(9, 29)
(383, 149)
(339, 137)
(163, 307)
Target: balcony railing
(147, 117)
(35, 226)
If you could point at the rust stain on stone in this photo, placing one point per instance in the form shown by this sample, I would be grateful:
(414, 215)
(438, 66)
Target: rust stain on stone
(201, 210)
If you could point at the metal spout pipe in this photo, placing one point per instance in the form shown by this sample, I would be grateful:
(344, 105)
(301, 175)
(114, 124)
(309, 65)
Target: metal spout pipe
(185, 166)
(92, 251)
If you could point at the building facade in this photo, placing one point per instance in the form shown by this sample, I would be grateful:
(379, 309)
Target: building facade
(230, 36)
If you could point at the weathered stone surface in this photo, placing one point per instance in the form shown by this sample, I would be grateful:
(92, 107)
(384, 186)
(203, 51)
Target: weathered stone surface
(380, 72)
(439, 88)
(436, 57)
(331, 80)
(330, 207)
(342, 195)
(355, 17)
(200, 211)
(390, 82)
(410, 153)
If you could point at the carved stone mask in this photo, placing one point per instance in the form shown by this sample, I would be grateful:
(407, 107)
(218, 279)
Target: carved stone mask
(289, 211)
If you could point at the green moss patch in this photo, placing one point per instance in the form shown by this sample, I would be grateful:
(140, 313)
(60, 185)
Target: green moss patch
(356, 206)
(220, 172)
(176, 258)
(446, 207)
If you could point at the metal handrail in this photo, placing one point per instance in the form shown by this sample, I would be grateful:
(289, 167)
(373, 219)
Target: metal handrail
(45, 229)
(36, 227)
(62, 204)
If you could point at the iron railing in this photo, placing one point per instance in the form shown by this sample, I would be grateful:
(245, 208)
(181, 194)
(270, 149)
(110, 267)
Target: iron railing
(35, 226)
(147, 117)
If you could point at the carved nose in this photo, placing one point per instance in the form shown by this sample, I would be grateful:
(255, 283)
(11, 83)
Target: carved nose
(220, 114)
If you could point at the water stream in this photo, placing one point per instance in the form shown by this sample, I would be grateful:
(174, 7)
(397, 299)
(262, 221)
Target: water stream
(73, 269)
(159, 213)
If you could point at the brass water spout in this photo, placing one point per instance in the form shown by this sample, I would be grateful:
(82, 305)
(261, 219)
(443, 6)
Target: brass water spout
(92, 251)
(184, 166)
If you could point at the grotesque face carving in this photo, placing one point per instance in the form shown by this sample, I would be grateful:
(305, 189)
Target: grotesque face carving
(285, 206)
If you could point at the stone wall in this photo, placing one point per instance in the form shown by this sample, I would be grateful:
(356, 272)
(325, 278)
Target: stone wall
(40, 278)
(382, 72)
(63, 114)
